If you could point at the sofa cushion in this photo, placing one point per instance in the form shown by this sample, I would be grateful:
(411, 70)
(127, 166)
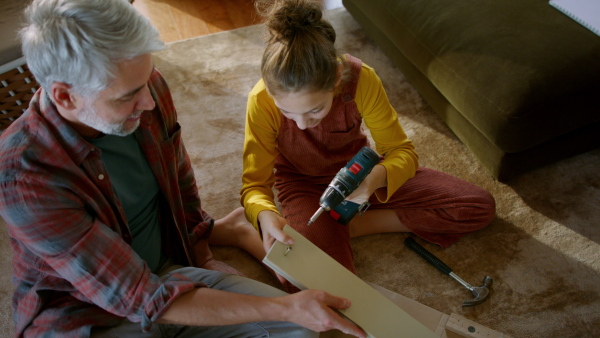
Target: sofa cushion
(519, 71)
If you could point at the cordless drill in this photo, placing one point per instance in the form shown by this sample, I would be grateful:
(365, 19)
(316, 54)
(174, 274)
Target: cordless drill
(343, 184)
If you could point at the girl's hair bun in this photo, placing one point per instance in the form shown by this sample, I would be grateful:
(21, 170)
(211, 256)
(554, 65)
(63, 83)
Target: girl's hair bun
(300, 52)
(286, 19)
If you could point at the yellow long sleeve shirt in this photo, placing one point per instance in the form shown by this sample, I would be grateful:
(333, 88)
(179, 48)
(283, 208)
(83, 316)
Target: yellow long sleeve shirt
(263, 120)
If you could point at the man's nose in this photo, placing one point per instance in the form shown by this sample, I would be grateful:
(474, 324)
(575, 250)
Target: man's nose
(146, 101)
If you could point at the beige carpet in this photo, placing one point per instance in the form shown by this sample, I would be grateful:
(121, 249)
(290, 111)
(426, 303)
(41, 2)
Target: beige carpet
(542, 250)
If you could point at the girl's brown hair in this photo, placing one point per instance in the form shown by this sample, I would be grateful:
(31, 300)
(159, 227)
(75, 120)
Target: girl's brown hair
(300, 52)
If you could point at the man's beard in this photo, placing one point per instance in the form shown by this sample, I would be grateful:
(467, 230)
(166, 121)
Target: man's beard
(89, 116)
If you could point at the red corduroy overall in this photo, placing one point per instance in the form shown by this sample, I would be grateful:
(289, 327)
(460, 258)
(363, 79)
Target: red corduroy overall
(435, 206)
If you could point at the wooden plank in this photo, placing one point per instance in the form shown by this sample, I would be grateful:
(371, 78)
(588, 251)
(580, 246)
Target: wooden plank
(308, 267)
(464, 327)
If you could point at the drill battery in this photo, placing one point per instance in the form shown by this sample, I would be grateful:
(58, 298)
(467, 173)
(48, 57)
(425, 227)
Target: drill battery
(346, 211)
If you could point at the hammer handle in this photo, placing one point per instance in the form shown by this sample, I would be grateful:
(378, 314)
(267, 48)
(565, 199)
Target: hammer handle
(416, 247)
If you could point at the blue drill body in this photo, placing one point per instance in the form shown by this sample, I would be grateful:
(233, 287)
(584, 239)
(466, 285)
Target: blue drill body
(343, 184)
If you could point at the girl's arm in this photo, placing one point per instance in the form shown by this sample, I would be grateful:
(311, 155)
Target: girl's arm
(400, 158)
(262, 126)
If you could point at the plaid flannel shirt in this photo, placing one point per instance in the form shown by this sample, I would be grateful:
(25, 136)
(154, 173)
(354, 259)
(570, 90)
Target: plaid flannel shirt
(73, 266)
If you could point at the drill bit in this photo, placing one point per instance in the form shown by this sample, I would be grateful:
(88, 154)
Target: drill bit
(316, 215)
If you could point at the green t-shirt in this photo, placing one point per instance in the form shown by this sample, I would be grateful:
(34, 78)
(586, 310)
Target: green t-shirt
(138, 191)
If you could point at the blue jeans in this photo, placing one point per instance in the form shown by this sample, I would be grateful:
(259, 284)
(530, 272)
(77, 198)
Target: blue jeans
(220, 281)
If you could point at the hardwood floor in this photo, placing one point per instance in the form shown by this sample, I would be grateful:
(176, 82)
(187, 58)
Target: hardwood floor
(183, 19)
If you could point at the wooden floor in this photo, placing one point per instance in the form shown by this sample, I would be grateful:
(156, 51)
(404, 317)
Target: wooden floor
(183, 19)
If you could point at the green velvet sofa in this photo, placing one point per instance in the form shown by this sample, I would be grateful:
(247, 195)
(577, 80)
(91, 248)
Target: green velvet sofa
(517, 81)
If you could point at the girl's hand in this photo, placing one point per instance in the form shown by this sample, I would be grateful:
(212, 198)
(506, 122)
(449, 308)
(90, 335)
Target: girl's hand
(376, 179)
(271, 225)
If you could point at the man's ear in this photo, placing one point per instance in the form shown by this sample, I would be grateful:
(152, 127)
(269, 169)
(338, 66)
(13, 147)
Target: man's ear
(63, 96)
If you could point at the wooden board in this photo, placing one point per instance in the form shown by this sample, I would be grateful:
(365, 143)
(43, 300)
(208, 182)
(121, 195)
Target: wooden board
(308, 267)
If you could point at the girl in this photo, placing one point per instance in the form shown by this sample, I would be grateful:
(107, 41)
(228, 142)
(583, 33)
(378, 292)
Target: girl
(303, 124)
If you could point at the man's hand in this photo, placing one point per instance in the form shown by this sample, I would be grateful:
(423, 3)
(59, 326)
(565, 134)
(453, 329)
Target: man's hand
(314, 309)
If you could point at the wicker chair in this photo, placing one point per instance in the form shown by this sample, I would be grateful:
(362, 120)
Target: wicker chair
(18, 86)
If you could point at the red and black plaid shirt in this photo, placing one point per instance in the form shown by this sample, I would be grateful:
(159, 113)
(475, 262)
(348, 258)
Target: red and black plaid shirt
(73, 265)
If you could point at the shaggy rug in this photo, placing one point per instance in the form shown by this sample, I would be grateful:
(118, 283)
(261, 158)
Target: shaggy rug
(542, 250)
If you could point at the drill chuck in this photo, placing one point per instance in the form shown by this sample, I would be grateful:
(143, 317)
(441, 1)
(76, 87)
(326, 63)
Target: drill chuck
(346, 181)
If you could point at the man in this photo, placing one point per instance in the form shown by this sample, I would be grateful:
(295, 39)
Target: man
(101, 203)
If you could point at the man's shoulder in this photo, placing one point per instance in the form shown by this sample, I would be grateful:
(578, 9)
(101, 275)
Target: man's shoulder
(17, 137)
(26, 147)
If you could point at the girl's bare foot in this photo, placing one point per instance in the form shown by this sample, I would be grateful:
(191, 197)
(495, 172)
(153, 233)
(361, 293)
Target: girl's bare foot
(235, 230)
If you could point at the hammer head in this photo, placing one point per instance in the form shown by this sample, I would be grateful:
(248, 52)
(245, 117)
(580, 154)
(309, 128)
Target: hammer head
(480, 292)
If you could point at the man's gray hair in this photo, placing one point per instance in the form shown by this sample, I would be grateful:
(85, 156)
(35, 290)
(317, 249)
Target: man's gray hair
(80, 42)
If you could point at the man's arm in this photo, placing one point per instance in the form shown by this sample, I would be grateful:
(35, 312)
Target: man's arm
(310, 308)
(82, 254)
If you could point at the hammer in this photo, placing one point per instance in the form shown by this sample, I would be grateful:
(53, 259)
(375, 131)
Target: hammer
(480, 292)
